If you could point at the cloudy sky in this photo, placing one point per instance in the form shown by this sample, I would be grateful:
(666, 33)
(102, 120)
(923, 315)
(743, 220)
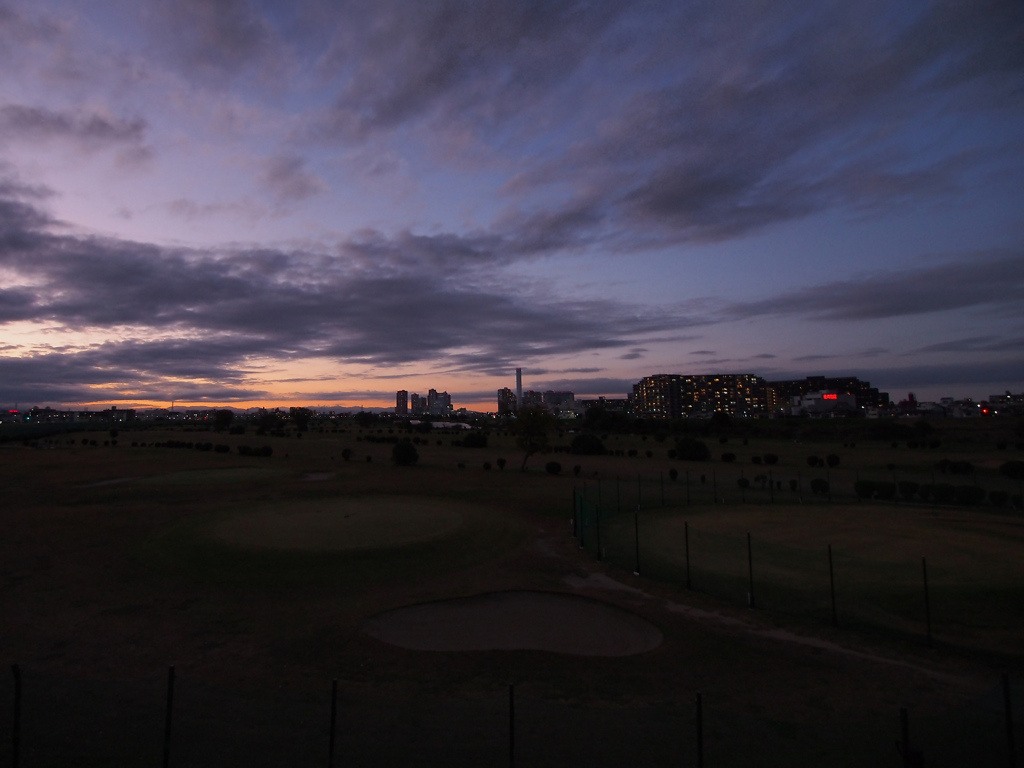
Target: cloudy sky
(321, 202)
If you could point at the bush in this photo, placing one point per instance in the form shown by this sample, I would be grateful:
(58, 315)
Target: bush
(756, 459)
(673, 474)
(1013, 470)
(743, 483)
(691, 449)
(222, 448)
(907, 488)
(487, 466)
(885, 491)
(404, 454)
(475, 440)
(832, 460)
(552, 467)
(500, 463)
(346, 454)
(819, 486)
(728, 458)
(812, 461)
(586, 444)
(969, 495)
(770, 458)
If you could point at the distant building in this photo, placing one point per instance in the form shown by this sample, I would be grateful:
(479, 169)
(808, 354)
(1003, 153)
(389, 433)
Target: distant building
(506, 401)
(439, 403)
(824, 404)
(402, 403)
(531, 399)
(673, 396)
(780, 394)
(559, 401)
(417, 404)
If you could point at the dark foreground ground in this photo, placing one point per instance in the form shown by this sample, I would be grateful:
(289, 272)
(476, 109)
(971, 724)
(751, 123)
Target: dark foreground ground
(102, 586)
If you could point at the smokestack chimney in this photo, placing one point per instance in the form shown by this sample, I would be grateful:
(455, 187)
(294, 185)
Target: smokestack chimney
(519, 388)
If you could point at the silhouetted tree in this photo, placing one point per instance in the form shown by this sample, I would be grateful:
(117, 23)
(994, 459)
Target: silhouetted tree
(532, 427)
(404, 454)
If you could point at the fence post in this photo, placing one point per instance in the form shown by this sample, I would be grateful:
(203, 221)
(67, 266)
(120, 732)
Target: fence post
(511, 725)
(700, 732)
(16, 725)
(832, 587)
(167, 716)
(927, 603)
(750, 570)
(639, 490)
(636, 538)
(1008, 709)
(686, 539)
(597, 517)
(334, 718)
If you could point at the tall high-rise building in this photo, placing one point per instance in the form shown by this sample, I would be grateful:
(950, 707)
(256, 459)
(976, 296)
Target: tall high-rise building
(519, 385)
(402, 403)
(417, 404)
(506, 401)
(672, 396)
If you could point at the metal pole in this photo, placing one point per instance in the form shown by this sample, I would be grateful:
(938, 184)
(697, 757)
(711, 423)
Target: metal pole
(686, 538)
(700, 732)
(905, 736)
(334, 718)
(1008, 708)
(639, 490)
(511, 725)
(750, 569)
(927, 603)
(636, 539)
(687, 487)
(597, 517)
(16, 726)
(167, 718)
(832, 587)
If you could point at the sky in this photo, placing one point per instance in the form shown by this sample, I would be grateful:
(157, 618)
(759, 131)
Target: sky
(317, 202)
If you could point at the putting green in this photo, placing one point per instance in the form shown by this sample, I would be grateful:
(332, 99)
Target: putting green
(334, 525)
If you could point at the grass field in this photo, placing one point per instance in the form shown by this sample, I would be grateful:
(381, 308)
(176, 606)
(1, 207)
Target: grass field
(255, 576)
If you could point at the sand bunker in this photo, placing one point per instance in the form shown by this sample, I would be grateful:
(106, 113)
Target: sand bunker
(542, 621)
(332, 525)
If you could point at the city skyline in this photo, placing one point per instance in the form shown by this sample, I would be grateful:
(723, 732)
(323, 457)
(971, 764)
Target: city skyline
(251, 203)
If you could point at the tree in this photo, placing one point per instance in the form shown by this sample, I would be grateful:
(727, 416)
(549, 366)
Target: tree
(404, 454)
(691, 449)
(300, 417)
(587, 444)
(532, 426)
(222, 419)
(553, 467)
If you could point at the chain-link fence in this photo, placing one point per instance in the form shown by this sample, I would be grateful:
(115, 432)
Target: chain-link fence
(643, 525)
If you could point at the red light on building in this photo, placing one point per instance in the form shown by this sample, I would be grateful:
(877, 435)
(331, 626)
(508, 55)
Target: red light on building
(830, 397)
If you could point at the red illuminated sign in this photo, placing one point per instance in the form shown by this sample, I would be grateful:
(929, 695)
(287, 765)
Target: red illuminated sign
(830, 397)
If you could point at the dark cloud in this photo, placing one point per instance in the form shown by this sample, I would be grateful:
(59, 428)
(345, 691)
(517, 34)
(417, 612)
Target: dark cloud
(994, 281)
(977, 344)
(84, 129)
(476, 62)
(289, 181)
(216, 39)
(788, 112)
(213, 311)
